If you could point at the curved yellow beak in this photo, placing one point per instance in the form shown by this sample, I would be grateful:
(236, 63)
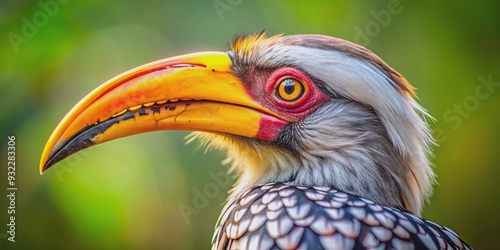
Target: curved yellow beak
(191, 92)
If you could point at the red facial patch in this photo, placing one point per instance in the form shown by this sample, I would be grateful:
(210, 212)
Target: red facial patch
(269, 128)
(291, 93)
(288, 92)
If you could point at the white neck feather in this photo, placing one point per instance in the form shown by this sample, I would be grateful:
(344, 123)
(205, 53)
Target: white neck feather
(344, 146)
(375, 144)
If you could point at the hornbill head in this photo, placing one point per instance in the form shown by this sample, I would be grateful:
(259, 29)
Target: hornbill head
(310, 110)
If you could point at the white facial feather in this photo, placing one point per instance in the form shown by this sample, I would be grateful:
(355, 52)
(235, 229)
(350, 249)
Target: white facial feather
(374, 144)
(401, 116)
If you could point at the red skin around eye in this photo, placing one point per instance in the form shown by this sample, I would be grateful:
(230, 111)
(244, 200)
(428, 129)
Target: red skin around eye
(311, 99)
(261, 86)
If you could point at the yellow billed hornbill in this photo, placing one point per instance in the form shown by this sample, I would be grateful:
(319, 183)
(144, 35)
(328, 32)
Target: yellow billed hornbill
(328, 143)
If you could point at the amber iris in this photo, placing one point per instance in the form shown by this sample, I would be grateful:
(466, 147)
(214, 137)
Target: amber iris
(290, 89)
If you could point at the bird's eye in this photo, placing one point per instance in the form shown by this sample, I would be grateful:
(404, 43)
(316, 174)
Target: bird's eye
(290, 89)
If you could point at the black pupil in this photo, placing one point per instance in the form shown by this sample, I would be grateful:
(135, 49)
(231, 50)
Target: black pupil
(289, 86)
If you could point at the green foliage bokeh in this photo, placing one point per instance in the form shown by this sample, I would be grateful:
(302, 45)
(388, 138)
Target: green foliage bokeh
(127, 194)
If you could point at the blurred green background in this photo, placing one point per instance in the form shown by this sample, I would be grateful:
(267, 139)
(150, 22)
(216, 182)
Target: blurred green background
(128, 193)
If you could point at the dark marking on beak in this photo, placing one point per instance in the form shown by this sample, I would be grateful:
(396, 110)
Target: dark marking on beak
(83, 139)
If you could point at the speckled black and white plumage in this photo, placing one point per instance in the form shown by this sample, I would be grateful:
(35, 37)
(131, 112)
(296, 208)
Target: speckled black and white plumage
(282, 216)
(365, 151)
(370, 139)
(349, 126)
